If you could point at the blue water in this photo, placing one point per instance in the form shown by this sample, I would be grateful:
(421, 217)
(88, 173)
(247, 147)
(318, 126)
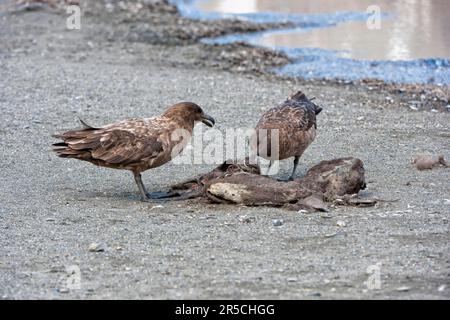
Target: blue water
(317, 63)
(188, 9)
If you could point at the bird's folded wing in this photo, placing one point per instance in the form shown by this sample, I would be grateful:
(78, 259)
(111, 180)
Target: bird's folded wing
(289, 116)
(306, 118)
(119, 146)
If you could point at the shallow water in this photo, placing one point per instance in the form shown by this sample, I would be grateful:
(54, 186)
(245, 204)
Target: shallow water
(416, 30)
(410, 43)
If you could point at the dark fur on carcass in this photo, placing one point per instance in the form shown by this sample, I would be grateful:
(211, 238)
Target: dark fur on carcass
(336, 177)
(243, 184)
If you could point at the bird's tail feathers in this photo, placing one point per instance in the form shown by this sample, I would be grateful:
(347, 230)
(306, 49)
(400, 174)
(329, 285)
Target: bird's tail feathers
(64, 150)
(86, 126)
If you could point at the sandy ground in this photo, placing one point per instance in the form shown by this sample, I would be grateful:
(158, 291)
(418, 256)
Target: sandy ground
(52, 210)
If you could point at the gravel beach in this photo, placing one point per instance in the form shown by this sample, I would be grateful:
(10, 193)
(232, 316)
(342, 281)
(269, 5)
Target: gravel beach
(58, 215)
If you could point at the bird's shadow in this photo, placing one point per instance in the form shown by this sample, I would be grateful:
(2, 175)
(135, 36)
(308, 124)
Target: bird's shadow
(156, 196)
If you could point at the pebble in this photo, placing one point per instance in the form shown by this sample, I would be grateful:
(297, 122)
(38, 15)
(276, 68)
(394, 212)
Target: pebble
(56, 269)
(90, 291)
(442, 288)
(315, 294)
(331, 235)
(95, 247)
(403, 289)
(277, 222)
(245, 219)
(341, 223)
(63, 290)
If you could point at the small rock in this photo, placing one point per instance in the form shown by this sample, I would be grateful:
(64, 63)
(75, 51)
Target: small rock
(90, 291)
(427, 162)
(341, 223)
(56, 269)
(245, 219)
(442, 288)
(331, 235)
(292, 279)
(50, 219)
(277, 222)
(403, 289)
(63, 290)
(95, 247)
(315, 294)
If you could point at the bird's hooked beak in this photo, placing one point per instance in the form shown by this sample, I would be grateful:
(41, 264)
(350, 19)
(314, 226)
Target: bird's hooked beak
(318, 110)
(208, 120)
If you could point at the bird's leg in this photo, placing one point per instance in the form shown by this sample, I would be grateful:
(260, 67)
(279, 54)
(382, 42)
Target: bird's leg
(296, 161)
(268, 168)
(291, 178)
(144, 194)
(147, 196)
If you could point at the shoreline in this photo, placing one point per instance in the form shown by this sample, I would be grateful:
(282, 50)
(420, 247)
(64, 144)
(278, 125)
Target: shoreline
(55, 210)
(160, 23)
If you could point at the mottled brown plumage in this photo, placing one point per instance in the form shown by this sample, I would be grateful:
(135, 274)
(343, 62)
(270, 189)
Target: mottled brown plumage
(295, 120)
(135, 144)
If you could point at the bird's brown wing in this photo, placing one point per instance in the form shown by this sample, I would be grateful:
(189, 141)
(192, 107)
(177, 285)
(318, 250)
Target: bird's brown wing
(290, 116)
(125, 147)
(113, 146)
